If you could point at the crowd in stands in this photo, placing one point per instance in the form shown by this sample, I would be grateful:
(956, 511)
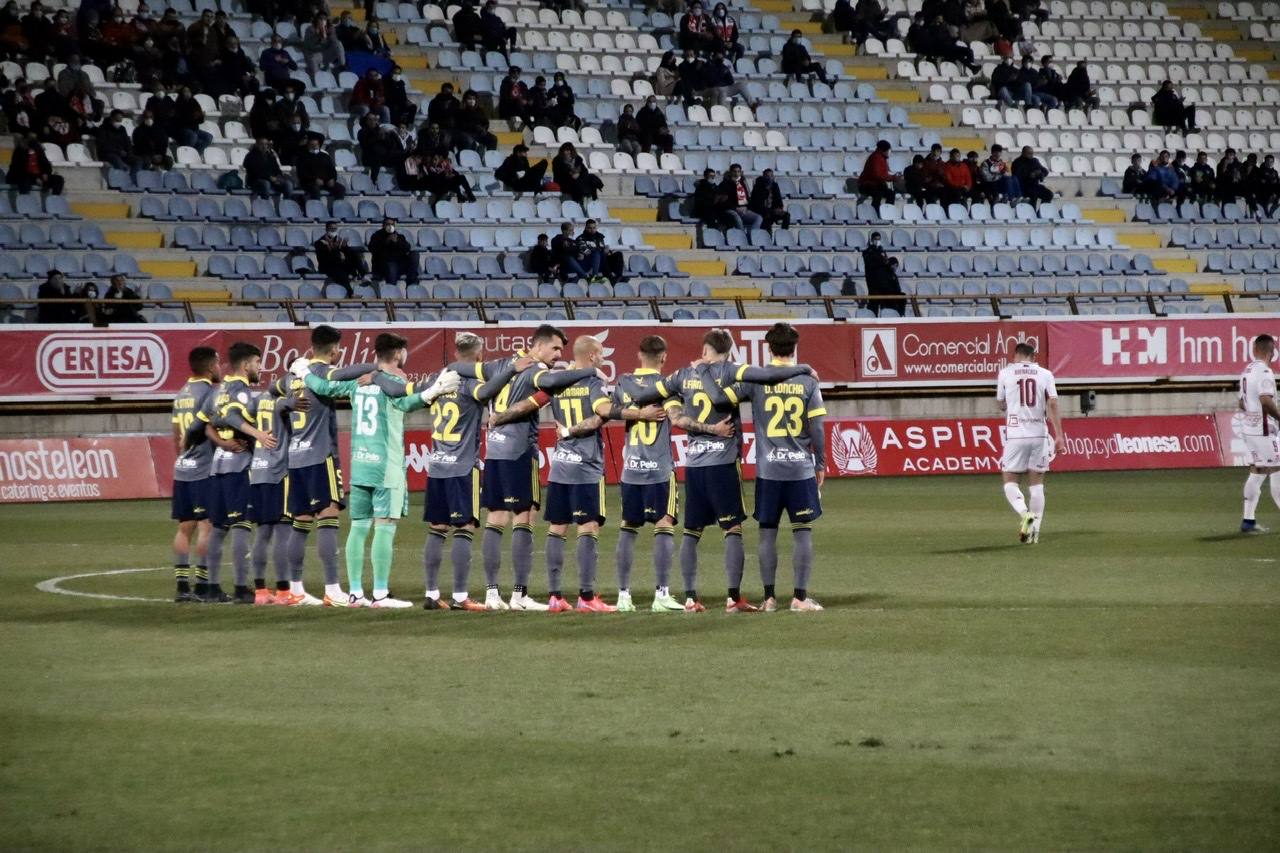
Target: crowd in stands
(582, 258)
(117, 305)
(1170, 178)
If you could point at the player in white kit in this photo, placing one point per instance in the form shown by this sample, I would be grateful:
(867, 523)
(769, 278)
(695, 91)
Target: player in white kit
(1261, 420)
(1029, 399)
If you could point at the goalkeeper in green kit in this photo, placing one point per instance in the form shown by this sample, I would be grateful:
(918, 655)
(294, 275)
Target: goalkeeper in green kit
(379, 489)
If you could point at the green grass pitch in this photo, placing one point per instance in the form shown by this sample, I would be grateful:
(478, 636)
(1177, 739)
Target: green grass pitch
(1115, 687)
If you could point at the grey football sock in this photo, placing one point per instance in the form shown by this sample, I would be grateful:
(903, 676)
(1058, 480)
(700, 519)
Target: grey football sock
(664, 546)
(280, 542)
(327, 545)
(298, 548)
(625, 555)
(802, 555)
(587, 558)
(213, 555)
(491, 551)
(460, 553)
(261, 549)
(555, 561)
(689, 561)
(767, 553)
(733, 560)
(522, 553)
(432, 556)
(240, 553)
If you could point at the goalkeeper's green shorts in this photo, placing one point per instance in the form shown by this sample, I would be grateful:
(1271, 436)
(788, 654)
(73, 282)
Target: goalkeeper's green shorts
(371, 502)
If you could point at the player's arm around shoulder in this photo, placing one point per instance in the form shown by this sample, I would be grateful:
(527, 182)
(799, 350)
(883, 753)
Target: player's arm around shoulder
(328, 387)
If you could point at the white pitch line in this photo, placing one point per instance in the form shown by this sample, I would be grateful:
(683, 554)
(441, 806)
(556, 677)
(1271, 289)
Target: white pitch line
(52, 585)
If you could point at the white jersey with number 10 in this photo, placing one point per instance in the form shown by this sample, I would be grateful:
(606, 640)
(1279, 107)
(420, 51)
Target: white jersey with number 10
(1025, 389)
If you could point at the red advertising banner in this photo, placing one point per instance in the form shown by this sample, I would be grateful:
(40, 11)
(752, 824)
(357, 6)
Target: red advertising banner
(1175, 347)
(77, 469)
(938, 352)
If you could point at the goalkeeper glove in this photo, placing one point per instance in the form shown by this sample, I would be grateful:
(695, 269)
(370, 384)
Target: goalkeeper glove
(446, 383)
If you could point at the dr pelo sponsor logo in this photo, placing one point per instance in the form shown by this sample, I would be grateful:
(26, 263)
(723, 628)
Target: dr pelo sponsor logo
(98, 361)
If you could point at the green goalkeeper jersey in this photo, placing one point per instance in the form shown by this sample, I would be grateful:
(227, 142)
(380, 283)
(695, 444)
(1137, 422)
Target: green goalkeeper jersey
(377, 428)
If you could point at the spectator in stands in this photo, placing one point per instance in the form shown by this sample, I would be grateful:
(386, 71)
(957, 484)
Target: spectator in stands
(433, 140)
(653, 127)
(262, 171)
(89, 292)
(560, 104)
(371, 43)
(1203, 183)
(1163, 182)
(393, 257)
(539, 99)
(913, 181)
(442, 180)
(370, 96)
(767, 203)
(1135, 177)
(513, 100)
(1169, 110)
(119, 306)
(541, 262)
(628, 130)
(692, 78)
(59, 131)
(958, 177)
(264, 118)
(321, 48)
(188, 115)
(997, 181)
(276, 64)
(695, 30)
(666, 76)
(935, 177)
(471, 126)
(1182, 168)
(1229, 177)
(796, 61)
(1078, 91)
(348, 32)
(1007, 85)
(1267, 187)
(725, 28)
(606, 260)
(401, 106)
(63, 39)
(375, 153)
(151, 144)
(74, 77)
(876, 180)
(411, 170)
(55, 287)
(30, 169)
(874, 256)
(1030, 80)
(291, 142)
(884, 283)
(495, 35)
(717, 77)
(316, 172)
(466, 26)
(736, 198)
(707, 202)
(338, 261)
(1030, 174)
(570, 172)
(941, 41)
(518, 175)
(1050, 81)
(232, 72)
(573, 259)
(867, 19)
(114, 146)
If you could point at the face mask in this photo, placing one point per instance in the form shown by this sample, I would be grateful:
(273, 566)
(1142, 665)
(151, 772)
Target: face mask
(331, 233)
(876, 241)
(148, 122)
(297, 127)
(391, 229)
(395, 77)
(117, 124)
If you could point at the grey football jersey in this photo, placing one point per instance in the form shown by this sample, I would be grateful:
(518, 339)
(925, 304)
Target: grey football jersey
(233, 407)
(646, 451)
(578, 460)
(271, 414)
(193, 404)
(314, 436)
(511, 441)
(781, 414)
(455, 421)
(703, 451)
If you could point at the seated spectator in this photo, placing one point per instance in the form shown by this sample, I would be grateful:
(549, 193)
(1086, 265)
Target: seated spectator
(939, 41)
(291, 142)
(518, 175)
(30, 169)
(884, 283)
(1007, 85)
(393, 257)
(188, 115)
(975, 171)
(495, 35)
(653, 127)
(997, 181)
(1203, 180)
(767, 203)
(539, 101)
(628, 130)
(433, 140)
(84, 312)
(232, 72)
(375, 151)
(570, 173)
(74, 77)
(1043, 96)
(466, 26)
(1163, 182)
(559, 110)
(1135, 177)
(717, 79)
(725, 28)
(59, 131)
(401, 106)
(403, 140)
(370, 96)
(1078, 92)
(1030, 174)
(958, 176)
(736, 199)
(442, 180)
(276, 64)
(867, 19)
(695, 30)
(913, 181)
(55, 287)
(316, 173)
(608, 261)
(119, 306)
(264, 117)
(1267, 187)
(151, 144)
(1050, 81)
(348, 32)
(290, 106)
(1169, 110)
(574, 259)
(876, 180)
(666, 76)
(874, 256)
(542, 262)
(262, 171)
(707, 200)
(513, 100)
(692, 78)
(338, 261)
(796, 61)
(321, 48)
(934, 177)
(471, 128)
(1229, 177)
(442, 111)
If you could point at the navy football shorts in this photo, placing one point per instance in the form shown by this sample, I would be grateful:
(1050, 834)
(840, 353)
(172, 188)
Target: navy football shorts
(649, 503)
(798, 497)
(230, 499)
(314, 487)
(713, 495)
(270, 502)
(190, 500)
(574, 503)
(453, 500)
(511, 485)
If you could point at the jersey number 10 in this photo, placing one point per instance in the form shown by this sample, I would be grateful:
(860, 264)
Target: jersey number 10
(1027, 392)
